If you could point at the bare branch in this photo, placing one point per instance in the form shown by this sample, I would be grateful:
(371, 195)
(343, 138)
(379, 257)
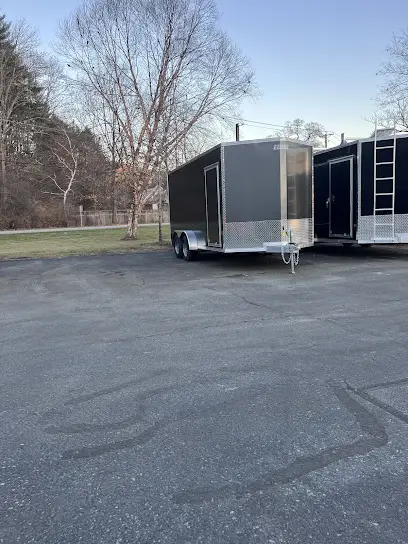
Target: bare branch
(160, 67)
(393, 98)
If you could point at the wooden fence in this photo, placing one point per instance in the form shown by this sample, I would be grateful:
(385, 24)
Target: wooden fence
(103, 218)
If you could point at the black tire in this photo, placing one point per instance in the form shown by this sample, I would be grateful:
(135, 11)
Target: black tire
(187, 254)
(178, 246)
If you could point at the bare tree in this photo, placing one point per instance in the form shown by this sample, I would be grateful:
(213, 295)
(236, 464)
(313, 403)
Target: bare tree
(393, 113)
(160, 66)
(66, 156)
(104, 122)
(52, 82)
(298, 129)
(393, 98)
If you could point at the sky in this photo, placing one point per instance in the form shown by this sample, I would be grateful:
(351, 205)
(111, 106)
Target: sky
(313, 59)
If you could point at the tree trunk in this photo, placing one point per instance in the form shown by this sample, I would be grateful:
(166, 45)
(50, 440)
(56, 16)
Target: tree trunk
(160, 225)
(3, 182)
(113, 192)
(113, 163)
(64, 203)
(160, 214)
(133, 223)
(113, 201)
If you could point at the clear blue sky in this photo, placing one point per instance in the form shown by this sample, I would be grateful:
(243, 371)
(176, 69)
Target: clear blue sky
(314, 59)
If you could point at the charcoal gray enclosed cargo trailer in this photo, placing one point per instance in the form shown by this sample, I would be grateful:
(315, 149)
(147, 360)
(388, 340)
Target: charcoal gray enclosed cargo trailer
(250, 196)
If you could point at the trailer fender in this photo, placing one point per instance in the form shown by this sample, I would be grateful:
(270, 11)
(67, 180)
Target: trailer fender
(195, 238)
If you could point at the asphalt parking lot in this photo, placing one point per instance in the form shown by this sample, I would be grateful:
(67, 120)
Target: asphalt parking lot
(148, 400)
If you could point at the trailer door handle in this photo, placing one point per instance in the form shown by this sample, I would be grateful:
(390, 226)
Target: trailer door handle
(330, 199)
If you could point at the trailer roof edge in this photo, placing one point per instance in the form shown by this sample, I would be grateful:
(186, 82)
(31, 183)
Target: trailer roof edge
(267, 140)
(241, 142)
(363, 140)
(321, 151)
(196, 157)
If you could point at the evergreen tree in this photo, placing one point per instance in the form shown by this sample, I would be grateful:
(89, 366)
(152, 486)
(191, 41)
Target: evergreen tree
(20, 105)
(4, 30)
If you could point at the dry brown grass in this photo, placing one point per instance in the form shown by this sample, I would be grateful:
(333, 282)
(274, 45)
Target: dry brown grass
(59, 244)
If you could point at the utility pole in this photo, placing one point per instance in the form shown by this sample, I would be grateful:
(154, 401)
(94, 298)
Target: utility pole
(326, 140)
(237, 132)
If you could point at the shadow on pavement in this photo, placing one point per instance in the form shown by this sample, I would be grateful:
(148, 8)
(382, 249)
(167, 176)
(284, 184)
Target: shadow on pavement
(399, 251)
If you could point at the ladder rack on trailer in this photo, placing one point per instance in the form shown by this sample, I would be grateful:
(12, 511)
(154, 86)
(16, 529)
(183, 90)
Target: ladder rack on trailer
(384, 230)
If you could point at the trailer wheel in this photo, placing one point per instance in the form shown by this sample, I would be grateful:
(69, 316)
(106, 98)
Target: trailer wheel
(187, 254)
(178, 246)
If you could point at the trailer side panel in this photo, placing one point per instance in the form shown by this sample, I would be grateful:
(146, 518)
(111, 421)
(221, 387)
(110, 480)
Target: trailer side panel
(187, 193)
(401, 175)
(370, 228)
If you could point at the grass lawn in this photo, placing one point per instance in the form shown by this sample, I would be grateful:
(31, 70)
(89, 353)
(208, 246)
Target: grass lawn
(59, 244)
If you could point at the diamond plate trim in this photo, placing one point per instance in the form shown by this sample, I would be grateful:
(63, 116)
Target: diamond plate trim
(253, 234)
(302, 231)
(366, 227)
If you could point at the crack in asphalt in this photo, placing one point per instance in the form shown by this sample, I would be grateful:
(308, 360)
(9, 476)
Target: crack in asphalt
(362, 393)
(382, 385)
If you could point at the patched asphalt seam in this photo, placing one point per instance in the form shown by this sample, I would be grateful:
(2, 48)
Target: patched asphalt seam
(369, 424)
(362, 393)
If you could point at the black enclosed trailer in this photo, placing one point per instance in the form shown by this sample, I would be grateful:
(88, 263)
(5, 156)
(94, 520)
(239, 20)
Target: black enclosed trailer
(249, 196)
(361, 191)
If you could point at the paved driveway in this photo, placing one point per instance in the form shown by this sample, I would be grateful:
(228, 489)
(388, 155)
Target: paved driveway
(148, 400)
